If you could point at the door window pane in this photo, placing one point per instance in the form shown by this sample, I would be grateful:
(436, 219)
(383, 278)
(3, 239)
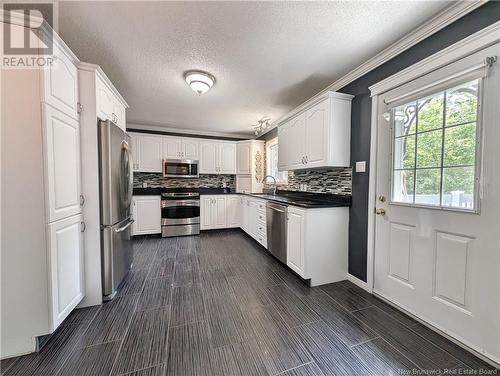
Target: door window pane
(434, 149)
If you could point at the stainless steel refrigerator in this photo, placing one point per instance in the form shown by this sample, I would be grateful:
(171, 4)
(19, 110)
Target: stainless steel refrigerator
(116, 184)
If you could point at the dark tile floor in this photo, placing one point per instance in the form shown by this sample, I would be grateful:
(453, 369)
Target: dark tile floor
(218, 304)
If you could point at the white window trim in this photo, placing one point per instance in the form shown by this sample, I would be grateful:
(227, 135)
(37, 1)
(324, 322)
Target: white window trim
(269, 144)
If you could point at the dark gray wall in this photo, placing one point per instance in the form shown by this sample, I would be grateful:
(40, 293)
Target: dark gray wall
(361, 118)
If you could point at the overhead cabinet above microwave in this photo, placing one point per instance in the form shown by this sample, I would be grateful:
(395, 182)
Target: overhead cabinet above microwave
(318, 136)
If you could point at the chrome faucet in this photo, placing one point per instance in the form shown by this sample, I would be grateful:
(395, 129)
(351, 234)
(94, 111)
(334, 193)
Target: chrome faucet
(275, 184)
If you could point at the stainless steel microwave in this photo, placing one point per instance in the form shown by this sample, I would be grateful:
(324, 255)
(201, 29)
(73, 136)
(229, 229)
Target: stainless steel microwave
(180, 168)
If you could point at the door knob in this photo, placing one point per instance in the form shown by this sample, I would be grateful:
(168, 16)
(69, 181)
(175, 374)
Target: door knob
(380, 211)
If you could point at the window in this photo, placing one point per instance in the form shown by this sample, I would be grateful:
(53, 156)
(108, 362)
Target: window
(272, 162)
(435, 149)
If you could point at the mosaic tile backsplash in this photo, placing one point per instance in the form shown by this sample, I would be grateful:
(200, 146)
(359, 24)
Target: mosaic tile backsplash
(332, 180)
(204, 181)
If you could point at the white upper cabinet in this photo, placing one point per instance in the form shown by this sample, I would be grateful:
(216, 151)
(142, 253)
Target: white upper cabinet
(109, 106)
(60, 84)
(150, 153)
(172, 147)
(243, 157)
(319, 136)
(134, 139)
(62, 152)
(217, 157)
(180, 148)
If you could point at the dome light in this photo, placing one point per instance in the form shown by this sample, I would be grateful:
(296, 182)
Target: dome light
(199, 81)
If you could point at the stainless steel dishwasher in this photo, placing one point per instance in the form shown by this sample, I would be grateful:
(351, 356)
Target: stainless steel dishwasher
(276, 218)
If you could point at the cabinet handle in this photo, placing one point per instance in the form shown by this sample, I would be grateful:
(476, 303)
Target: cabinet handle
(84, 226)
(82, 200)
(79, 108)
(307, 159)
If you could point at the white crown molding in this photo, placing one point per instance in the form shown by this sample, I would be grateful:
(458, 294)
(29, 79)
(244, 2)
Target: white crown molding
(173, 129)
(467, 46)
(433, 25)
(89, 67)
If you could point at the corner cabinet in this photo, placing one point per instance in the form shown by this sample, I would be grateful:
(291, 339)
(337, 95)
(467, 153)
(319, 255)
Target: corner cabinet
(146, 212)
(249, 166)
(318, 136)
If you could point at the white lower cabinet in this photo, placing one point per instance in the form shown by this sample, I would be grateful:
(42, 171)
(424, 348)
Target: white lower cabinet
(66, 273)
(146, 211)
(295, 239)
(213, 212)
(233, 212)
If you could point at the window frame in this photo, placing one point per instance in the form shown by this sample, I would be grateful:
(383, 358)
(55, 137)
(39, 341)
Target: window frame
(477, 167)
(272, 142)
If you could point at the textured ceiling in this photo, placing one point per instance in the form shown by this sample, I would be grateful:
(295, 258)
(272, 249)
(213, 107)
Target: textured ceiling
(267, 57)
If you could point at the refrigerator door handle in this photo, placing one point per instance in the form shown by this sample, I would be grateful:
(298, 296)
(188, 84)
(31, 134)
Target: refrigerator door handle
(123, 228)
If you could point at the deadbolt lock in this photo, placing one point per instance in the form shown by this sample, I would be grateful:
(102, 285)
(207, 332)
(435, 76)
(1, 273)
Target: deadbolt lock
(381, 198)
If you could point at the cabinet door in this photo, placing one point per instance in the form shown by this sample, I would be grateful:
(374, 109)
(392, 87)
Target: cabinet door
(147, 218)
(253, 218)
(66, 274)
(60, 84)
(105, 100)
(233, 207)
(283, 147)
(317, 121)
(243, 158)
(118, 113)
(295, 144)
(295, 240)
(134, 138)
(190, 149)
(62, 154)
(209, 156)
(219, 212)
(245, 214)
(206, 222)
(227, 164)
(172, 147)
(150, 153)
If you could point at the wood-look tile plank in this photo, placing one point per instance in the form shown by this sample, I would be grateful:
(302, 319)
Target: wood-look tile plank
(185, 276)
(5, 364)
(456, 351)
(187, 305)
(214, 283)
(331, 355)
(146, 342)
(52, 356)
(295, 284)
(248, 296)
(347, 299)
(82, 315)
(156, 294)
(293, 311)
(384, 359)
(280, 349)
(420, 351)
(162, 268)
(342, 323)
(310, 369)
(159, 370)
(91, 361)
(111, 322)
(242, 359)
(132, 283)
(189, 350)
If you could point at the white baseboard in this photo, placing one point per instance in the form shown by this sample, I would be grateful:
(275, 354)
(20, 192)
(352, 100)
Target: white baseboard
(359, 282)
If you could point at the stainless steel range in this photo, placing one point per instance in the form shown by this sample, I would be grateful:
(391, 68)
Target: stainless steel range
(180, 214)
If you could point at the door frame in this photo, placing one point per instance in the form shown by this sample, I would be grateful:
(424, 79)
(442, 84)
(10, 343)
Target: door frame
(465, 47)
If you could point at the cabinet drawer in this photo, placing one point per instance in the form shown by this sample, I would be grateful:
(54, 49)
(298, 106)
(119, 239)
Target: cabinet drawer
(261, 228)
(261, 216)
(261, 206)
(262, 240)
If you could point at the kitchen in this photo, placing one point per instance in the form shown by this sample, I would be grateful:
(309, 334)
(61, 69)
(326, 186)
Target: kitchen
(180, 226)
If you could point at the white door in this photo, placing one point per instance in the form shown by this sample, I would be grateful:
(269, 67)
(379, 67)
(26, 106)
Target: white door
(62, 153)
(172, 147)
(219, 212)
(60, 84)
(206, 216)
(295, 240)
(233, 211)
(437, 245)
(227, 153)
(209, 157)
(67, 287)
(150, 153)
(296, 143)
(190, 148)
(147, 215)
(317, 121)
(243, 158)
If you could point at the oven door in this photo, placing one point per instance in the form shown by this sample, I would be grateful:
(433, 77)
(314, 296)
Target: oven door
(180, 168)
(180, 212)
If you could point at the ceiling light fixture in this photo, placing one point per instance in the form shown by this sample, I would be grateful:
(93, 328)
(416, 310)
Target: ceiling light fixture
(199, 81)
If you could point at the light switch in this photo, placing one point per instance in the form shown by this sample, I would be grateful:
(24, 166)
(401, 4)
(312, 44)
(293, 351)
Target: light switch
(361, 166)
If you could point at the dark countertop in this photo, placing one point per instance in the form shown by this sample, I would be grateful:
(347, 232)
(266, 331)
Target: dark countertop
(301, 199)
